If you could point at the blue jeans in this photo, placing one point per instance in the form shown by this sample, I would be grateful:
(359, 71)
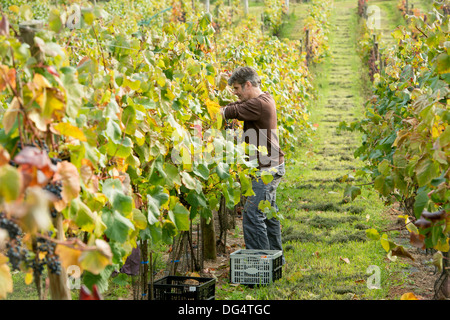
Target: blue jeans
(261, 233)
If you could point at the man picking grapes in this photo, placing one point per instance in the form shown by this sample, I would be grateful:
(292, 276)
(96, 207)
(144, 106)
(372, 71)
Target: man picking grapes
(258, 111)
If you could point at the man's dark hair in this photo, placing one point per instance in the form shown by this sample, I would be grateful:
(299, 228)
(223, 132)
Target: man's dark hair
(243, 74)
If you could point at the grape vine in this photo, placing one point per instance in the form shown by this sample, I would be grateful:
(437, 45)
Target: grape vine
(405, 133)
(108, 121)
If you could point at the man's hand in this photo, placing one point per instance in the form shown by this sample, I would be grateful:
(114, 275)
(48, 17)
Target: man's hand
(222, 111)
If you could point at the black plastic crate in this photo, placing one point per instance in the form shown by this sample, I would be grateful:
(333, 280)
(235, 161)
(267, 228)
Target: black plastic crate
(184, 288)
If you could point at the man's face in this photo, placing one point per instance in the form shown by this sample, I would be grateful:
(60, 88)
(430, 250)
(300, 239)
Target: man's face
(242, 91)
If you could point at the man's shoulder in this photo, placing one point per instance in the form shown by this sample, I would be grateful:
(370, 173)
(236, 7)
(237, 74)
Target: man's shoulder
(267, 99)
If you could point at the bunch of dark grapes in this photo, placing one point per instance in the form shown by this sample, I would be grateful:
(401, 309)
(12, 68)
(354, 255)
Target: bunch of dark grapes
(51, 258)
(55, 188)
(38, 267)
(55, 161)
(42, 145)
(37, 144)
(15, 252)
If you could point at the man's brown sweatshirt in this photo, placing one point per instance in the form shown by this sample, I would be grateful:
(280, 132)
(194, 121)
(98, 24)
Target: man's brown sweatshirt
(260, 126)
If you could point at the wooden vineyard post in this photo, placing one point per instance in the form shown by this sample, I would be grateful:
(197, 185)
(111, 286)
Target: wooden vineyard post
(194, 265)
(442, 284)
(208, 239)
(223, 225)
(365, 10)
(262, 23)
(245, 7)
(376, 52)
(150, 261)
(144, 263)
(28, 30)
(307, 46)
(59, 289)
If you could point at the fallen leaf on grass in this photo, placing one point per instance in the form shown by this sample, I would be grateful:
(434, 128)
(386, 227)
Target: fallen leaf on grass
(409, 296)
(346, 260)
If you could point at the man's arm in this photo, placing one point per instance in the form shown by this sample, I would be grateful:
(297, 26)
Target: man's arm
(249, 110)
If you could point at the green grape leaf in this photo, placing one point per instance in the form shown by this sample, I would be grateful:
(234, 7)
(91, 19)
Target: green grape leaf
(202, 171)
(82, 215)
(352, 192)
(117, 226)
(443, 63)
(372, 234)
(180, 217)
(9, 191)
(266, 177)
(421, 201)
(426, 170)
(155, 199)
(222, 170)
(113, 190)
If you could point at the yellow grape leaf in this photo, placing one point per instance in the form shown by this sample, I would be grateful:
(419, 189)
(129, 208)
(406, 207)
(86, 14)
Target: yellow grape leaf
(139, 219)
(4, 156)
(88, 17)
(386, 244)
(101, 198)
(14, 8)
(438, 261)
(223, 82)
(10, 116)
(437, 130)
(409, 296)
(442, 245)
(68, 256)
(410, 226)
(6, 283)
(67, 173)
(54, 104)
(213, 108)
(66, 129)
(40, 81)
(7, 77)
(96, 260)
(100, 226)
(10, 191)
(29, 277)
